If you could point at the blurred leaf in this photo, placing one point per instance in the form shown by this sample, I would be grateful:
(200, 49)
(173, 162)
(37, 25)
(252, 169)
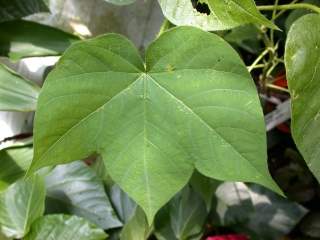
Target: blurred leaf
(245, 37)
(14, 164)
(137, 228)
(310, 225)
(20, 205)
(21, 38)
(213, 15)
(256, 211)
(16, 93)
(204, 186)
(234, 203)
(120, 2)
(15, 9)
(63, 227)
(76, 188)
(122, 203)
(182, 218)
(3, 237)
(303, 73)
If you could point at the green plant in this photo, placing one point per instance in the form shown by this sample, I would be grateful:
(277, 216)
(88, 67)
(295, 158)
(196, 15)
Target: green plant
(168, 128)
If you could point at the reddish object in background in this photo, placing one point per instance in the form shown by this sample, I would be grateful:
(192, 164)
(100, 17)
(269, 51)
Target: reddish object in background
(229, 237)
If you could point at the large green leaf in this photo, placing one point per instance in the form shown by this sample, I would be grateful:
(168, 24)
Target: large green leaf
(193, 106)
(15, 9)
(14, 164)
(215, 14)
(76, 187)
(296, 14)
(16, 93)
(256, 211)
(63, 227)
(20, 205)
(16, 40)
(303, 73)
(183, 218)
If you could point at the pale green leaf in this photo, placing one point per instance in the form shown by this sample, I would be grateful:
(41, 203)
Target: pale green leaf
(193, 106)
(137, 227)
(14, 164)
(256, 211)
(182, 218)
(123, 205)
(20, 205)
(15, 9)
(16, 93)
(215, 15)
(76, 188)
(63, 227)
(16, 40)
(303, 73)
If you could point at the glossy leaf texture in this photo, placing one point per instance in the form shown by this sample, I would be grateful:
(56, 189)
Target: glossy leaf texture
(20, 205)
(14, 164)
(16, 41)
(120, 2)
(182, 218)
(16, 93)
(193, 106)
(16, 9)
(256, 211)
(213, 15)
(75, 187)
(303, 73)
(64, 227)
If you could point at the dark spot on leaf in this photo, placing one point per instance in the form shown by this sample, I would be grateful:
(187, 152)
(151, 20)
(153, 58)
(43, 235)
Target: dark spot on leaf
(201, 7)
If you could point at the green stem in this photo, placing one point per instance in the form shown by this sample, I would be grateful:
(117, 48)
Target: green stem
(164, 27)
(274, 12)
(258, 59)
(290, 7)
(283, 11)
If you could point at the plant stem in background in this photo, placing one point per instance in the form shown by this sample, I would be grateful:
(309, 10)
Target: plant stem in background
(290, 7)
(275, 87)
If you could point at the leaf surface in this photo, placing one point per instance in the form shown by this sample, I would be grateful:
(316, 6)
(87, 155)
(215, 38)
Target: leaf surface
(213, 15)
(16, 93)
(303, 73)
(16, 41)
(193, 106)
(63, 227)
(20, 205)
(137, 227)
(76, 187)
(16, 9)
(182, 218)
(14, 164)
